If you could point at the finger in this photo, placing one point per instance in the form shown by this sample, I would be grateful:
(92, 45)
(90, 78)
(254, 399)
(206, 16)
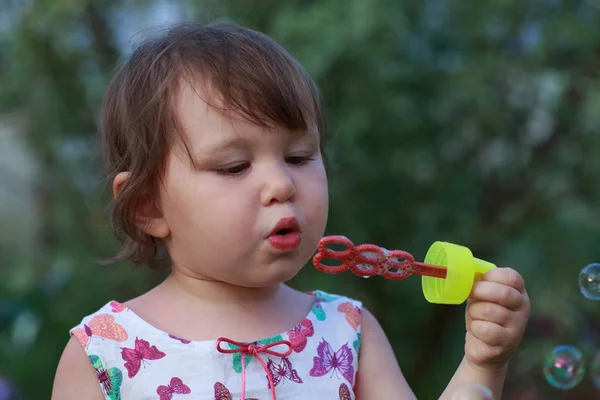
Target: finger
(505, 276)
(490, 333)
(495, 292)
(490, 312)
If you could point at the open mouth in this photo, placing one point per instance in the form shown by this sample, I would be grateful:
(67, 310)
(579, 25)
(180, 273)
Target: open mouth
(285, 226)
(286, 235)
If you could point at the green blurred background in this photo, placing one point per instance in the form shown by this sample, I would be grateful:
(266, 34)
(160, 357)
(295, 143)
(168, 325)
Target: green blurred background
(474, 122)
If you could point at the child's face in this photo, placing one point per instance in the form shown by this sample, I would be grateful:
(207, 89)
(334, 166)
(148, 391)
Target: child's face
(247, 178)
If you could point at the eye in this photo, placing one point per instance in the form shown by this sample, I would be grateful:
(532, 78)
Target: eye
(298, 160)
(234, 169)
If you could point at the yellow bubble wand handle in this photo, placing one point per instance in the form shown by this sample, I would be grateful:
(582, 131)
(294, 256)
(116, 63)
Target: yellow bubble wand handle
(448, 272)
(462, 271)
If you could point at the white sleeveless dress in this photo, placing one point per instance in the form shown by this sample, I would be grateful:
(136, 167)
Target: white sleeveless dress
(316, 359)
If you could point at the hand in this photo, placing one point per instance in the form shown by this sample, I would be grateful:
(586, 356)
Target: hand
(497, 312)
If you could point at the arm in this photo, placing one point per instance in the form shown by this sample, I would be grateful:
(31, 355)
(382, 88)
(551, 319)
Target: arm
(468, 375)
(379, 376)
(75, 379)
(496, 317)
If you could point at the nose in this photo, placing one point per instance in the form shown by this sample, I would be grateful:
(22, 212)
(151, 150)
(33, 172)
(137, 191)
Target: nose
(278, 186)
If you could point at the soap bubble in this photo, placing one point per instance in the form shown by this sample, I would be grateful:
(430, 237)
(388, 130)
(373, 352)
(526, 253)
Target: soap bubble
(473, 392)
(595, 371)
(589, 281)
(564, 367)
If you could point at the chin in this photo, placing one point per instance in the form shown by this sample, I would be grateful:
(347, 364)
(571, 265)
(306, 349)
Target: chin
(281, 276)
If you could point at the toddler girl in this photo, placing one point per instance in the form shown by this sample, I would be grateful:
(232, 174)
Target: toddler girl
(214, 139)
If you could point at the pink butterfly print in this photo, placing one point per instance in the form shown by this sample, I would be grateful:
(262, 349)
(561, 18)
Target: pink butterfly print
(176, 386)
(282, 372)
(345, 392)
(222, 393)
(327, 361)
(184, 341)
(142, 352)
(103, 326)
(300, 333)
(352, 314)
(117, 307)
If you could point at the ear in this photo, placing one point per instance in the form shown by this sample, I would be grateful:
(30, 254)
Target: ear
(148, 216)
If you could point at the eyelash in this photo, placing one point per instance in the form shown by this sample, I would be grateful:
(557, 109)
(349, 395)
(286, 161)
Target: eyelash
(302, 160)
(233, 171)
(240, 168)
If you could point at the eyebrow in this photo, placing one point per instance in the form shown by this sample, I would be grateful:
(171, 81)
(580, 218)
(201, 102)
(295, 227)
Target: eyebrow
(229, 142)
(239, 142)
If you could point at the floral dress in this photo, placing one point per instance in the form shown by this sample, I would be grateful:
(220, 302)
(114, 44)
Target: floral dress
(316, 359)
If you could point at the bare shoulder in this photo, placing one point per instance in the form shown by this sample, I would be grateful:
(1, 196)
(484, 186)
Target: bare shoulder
(379, 375)
(75, 378)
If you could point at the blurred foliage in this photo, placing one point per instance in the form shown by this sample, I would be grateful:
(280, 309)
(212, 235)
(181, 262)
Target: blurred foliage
(473, 122)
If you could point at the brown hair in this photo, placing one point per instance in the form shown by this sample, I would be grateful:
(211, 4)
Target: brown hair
(254, 77)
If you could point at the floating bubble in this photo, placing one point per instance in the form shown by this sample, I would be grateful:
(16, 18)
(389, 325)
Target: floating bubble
(589, 281)
(564, 367)
(473, 392)
(595, 370)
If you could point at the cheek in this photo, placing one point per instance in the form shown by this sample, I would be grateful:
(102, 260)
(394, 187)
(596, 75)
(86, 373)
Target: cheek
(318, 196)
(215, 212)
(205, 225)
(324, 210)
(225, 213)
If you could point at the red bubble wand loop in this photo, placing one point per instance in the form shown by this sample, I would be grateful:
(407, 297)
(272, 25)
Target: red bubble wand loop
(369, 260)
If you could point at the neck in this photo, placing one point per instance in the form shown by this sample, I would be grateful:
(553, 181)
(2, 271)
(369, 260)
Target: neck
(196, 289)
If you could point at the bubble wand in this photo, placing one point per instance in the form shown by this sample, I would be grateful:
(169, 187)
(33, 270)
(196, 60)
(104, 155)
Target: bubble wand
(448, 271)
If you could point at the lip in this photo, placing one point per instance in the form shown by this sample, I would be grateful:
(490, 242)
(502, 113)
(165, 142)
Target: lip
(290, 223)
(289, 241)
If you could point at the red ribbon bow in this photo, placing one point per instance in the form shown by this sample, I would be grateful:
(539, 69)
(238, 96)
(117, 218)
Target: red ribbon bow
(254, 350)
